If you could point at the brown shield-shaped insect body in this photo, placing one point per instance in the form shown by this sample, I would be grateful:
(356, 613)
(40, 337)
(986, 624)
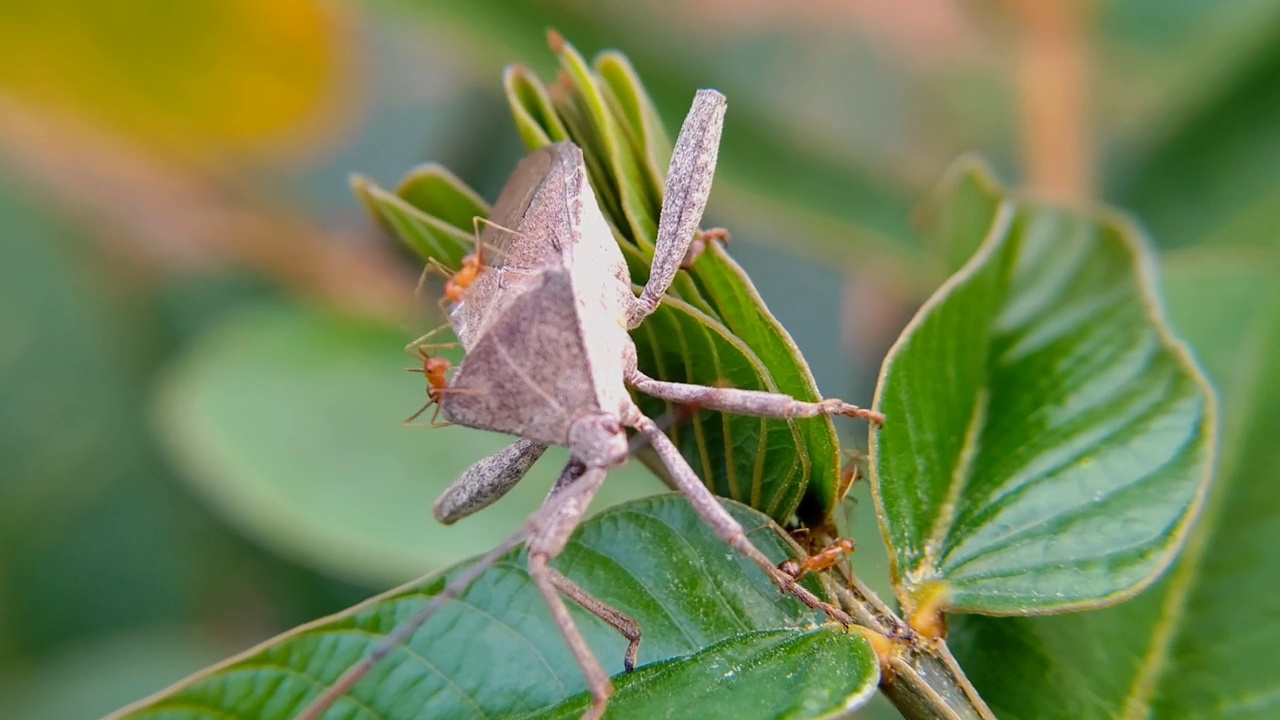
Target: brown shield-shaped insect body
(530, 373)
(549, 360)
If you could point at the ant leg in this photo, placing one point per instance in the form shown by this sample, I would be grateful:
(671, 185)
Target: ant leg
(693, 164)
(482, 484)
(481, 247)
(721, 522)
(701, 240)
(746, 402)
(408, 422)
(545, 543)
(432, 265)
(420, 343)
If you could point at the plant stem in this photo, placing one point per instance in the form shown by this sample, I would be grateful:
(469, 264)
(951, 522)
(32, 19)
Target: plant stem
(923, 681)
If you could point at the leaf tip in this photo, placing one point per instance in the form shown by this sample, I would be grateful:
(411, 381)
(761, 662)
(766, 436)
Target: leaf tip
(513, 72)
(555, 41)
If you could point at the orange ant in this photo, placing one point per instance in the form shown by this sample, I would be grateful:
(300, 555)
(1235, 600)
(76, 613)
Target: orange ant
(434, 368)
(472, 265)
(823, 560)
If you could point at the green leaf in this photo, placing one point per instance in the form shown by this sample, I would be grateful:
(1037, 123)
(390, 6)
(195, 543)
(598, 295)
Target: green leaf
(536, 119)
(1048, 440)
(772, 674)
(637, 115)
(424, 234)
(575, 100)
(602, 137)
(1190, 646)
(495, 651)
(748, 459)
(287, 422)
(726, 285)
(961, 211)
(449, 199)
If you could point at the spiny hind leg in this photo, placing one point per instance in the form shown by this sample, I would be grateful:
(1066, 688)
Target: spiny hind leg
(746, 402)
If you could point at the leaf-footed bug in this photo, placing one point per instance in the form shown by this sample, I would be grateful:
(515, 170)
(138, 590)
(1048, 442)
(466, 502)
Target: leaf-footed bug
(549, 360)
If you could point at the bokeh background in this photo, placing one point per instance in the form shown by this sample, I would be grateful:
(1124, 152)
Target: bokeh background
(201, 333)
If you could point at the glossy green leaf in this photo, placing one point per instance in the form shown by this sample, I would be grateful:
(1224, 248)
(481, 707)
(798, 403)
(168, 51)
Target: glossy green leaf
(289, 423)
(727, 286)
(1194, 644)
(496, 653)
(745, 458)
(822, 673)
(1048, 440)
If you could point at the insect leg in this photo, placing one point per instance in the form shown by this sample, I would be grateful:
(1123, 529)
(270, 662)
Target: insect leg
(482, 484)
(693, 164)
(623, 623)
(421, 343)
(746, 402)
(546, 515)
(719, 519)
(546, 542)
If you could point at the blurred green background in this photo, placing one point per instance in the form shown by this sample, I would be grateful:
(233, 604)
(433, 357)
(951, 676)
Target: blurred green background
(201, 333)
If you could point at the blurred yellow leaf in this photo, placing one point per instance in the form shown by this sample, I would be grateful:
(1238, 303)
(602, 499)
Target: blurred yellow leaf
(202, 75)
